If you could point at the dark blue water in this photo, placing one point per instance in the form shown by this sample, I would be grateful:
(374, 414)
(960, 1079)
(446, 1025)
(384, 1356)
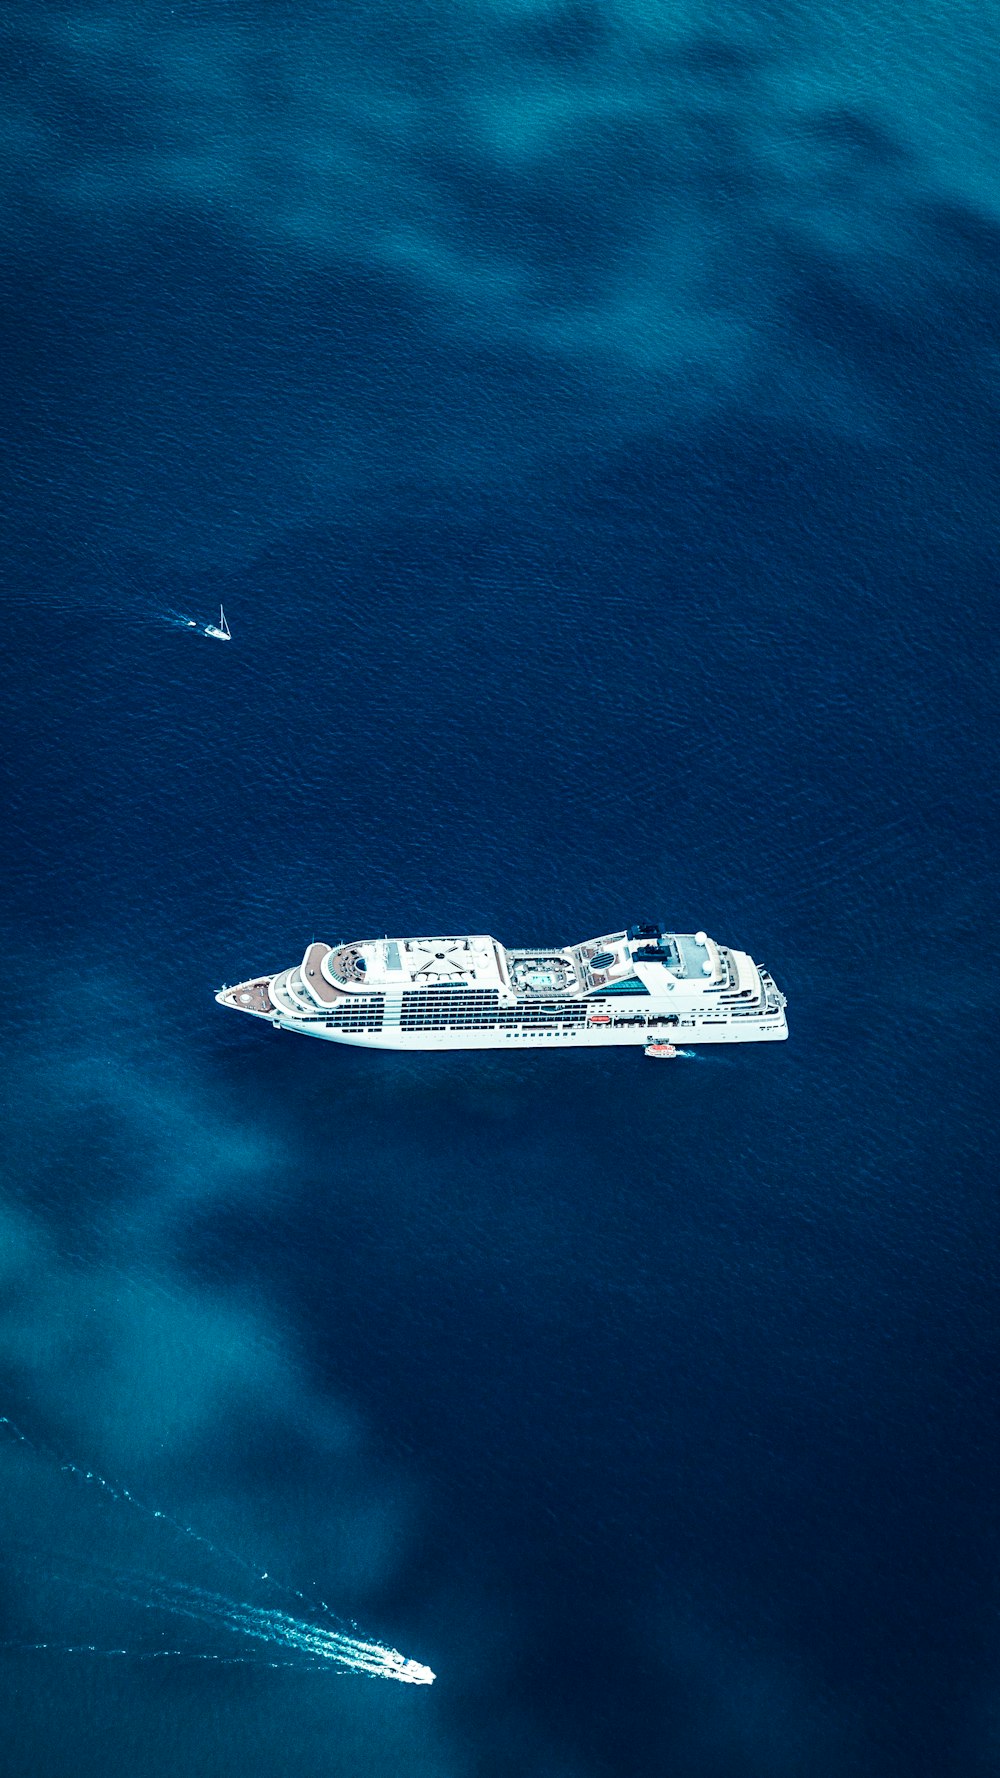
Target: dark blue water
(587, 418)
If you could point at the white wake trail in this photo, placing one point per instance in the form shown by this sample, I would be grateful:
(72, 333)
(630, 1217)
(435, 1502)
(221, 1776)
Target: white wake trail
(280, 1629)
(321, 1646)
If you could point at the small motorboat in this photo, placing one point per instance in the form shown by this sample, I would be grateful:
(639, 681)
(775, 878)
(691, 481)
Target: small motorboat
(220, 630)
(661, 1052)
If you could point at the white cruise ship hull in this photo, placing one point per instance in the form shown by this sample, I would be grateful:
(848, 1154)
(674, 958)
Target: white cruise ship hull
(627, 989)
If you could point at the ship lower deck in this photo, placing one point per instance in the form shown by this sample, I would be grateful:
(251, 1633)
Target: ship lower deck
(772, 1030)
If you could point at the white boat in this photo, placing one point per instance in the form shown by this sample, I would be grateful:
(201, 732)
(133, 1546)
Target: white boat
(643, 986)
(220, 630)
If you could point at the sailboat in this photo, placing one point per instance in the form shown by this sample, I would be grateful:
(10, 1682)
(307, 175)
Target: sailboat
(220, 630)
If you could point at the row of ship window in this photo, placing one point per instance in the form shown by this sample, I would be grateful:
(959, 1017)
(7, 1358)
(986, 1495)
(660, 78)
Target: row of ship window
(509, 1026)
(504, 1022)
(511, 1017)
(471, 1022)
(483, 1018)
(448, 996)
(373, 1020)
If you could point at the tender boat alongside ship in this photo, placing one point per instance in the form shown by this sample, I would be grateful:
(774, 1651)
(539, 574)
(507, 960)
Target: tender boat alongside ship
(642, 987)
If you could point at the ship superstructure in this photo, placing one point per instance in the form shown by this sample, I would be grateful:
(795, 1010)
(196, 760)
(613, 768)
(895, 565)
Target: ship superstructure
(472, 993)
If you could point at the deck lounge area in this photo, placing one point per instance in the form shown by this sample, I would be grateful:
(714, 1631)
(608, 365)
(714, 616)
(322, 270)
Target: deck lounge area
(315, 980)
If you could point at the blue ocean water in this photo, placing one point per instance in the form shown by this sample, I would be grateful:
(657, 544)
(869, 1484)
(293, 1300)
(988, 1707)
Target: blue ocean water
(587, 417)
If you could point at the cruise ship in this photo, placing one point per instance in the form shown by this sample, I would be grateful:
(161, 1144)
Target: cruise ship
(633, 987)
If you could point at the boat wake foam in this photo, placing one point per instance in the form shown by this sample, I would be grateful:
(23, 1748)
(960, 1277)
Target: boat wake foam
(309, 1645)
(178, 620)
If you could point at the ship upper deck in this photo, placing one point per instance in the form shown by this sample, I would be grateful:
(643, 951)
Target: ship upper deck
(609, 964)
(381, 965)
